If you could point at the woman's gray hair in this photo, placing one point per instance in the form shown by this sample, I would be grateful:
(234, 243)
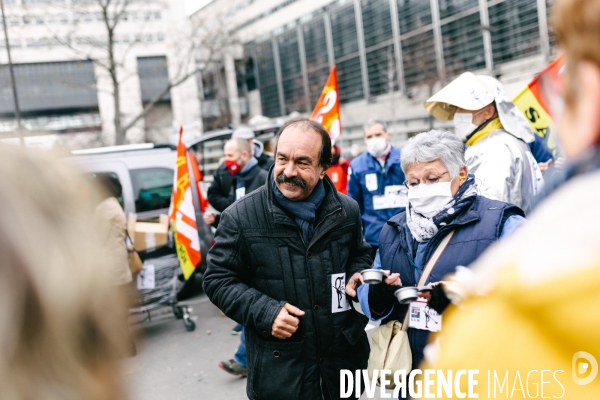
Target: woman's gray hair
(436, 144)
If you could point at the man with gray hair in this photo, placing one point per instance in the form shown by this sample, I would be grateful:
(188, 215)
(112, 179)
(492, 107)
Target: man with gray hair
(443, 203)
(264, 161)
(375, 181)
(238, 175)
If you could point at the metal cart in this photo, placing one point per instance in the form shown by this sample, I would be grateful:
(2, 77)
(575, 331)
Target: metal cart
(158, 286)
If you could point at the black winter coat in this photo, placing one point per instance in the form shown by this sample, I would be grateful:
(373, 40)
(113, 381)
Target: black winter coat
(259, 262)
(221, 193)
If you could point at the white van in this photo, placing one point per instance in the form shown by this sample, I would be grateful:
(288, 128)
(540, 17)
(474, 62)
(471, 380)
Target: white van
(146, 174)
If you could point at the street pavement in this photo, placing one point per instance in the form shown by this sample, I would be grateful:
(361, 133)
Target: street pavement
(175, 364)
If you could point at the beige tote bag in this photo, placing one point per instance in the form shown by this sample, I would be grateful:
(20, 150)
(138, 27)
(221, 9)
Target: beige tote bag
(390, 349)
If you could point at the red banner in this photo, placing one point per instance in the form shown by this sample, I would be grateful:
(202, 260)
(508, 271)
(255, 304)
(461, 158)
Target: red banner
(183, 216)
(327, 110)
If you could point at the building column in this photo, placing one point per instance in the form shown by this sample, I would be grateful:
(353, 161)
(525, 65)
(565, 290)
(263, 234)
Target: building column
(329, 39)
(397, 45)
(232, 92)
(543, 24)
(361, 49)
(437, 38)
(487, 36)
(130, 97)
(181, 61)
(278, 77)
(131, 100)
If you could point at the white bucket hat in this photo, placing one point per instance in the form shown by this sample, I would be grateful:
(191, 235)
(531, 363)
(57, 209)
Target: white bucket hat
(474, 92)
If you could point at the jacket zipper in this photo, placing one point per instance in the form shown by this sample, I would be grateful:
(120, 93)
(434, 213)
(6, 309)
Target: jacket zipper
(312, 296)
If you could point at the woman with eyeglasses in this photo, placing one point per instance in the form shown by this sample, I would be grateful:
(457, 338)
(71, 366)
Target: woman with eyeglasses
(442, 197)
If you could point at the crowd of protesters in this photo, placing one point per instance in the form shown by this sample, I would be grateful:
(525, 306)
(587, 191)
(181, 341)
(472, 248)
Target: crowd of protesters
(509, 260)
(282, 251)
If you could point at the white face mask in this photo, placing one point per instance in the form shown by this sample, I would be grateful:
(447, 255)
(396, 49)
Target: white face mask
(463, 125)
(428, 200)
(377, 146)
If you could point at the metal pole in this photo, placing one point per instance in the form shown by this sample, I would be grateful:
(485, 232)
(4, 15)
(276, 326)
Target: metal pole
(12, 78)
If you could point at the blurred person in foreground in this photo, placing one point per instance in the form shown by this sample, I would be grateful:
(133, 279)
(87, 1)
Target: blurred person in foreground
(60, 331)
(376, 181)
(496, 134)
(279, 265)
(338, 172)
(533, 301)
(442, 197)
(113, 231)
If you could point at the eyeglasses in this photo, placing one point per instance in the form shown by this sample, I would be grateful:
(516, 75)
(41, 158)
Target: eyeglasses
(429, 181)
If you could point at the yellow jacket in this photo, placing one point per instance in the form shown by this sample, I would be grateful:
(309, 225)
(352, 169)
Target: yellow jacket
(533, 304)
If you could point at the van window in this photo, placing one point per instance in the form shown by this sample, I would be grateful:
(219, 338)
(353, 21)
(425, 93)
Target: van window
(152, 188)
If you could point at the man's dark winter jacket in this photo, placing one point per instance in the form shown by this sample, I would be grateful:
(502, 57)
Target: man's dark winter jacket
(221, 193)
(475, 229)
(259, 262)
(265, 162)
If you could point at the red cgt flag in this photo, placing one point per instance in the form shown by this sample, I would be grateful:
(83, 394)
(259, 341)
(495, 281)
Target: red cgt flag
(183, 216)
(327, 110)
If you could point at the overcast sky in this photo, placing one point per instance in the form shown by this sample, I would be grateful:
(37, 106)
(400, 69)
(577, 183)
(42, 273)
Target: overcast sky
(193, 5)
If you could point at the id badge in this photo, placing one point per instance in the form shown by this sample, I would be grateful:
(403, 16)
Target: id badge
(240, 192)
(423, 317)
(371, 182)
(380, 202)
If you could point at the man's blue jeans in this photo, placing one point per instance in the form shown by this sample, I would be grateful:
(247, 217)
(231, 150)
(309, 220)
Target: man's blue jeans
(240, 353)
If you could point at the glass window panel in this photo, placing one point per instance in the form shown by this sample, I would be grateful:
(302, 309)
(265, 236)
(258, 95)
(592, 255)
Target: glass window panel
(515, 30)
(316, 81)
(293, 93)
(343, 29)
(266, 77)
(413, 14)
(382, 69)
(152, 188)
(418, 58)
(377, 21)
(154, 77)
(50, 87)
(451, 7)
(350, 80)
(315, 45)
(552, 36)
(463, 45)
(289, 56)
(289, 59)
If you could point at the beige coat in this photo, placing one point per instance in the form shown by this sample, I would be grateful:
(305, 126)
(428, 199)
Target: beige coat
(111, 220)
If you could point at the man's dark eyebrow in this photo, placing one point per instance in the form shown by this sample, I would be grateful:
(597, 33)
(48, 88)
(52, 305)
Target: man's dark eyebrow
(304, 158)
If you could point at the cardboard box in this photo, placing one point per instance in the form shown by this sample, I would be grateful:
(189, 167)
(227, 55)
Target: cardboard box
(148, 235)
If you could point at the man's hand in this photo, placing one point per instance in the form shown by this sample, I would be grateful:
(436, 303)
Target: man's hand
(544, 165)
(209, 218)
(393, 279)
(427, 294)
(286, 322)
(353, 283)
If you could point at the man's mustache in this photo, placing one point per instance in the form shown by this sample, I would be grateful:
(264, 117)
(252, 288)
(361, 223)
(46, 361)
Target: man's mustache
(281, 178)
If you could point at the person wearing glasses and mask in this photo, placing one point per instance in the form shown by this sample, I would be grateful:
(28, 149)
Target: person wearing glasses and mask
(496, 134)
(375, 181)
(442, 197)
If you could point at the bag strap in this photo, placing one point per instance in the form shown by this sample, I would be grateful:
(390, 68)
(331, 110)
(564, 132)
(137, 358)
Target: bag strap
(428, 268)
